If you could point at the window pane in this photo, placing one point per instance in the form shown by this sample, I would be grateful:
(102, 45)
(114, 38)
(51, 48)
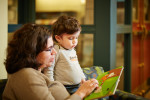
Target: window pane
(12, 11)
(135, 10)
(120, 50)
(120, 57)
(147, 10)
(120, 12)
(47, 11)
(85, 50)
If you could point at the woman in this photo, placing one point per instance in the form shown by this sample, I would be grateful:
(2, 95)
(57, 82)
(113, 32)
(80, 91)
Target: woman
(31, 50)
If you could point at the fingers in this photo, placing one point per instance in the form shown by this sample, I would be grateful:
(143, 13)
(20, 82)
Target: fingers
(82, 81)
(87, 87)
(93, 82)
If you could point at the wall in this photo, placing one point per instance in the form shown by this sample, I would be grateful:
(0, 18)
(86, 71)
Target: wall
(3, 36)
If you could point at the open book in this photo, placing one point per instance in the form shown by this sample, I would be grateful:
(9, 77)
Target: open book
(108, 82)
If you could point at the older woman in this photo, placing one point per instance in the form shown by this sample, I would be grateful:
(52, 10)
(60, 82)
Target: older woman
(31, 50)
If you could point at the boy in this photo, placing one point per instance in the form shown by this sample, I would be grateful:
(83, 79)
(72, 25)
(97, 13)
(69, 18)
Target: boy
(66, 68)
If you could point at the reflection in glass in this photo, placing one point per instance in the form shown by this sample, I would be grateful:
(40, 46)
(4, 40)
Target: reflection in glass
(85, 50)
(12, 11)
(47, 11)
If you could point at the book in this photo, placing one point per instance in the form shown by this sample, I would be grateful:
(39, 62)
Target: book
(108, 82)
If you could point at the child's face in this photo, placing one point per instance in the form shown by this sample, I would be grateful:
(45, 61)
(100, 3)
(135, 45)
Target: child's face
(69, 41)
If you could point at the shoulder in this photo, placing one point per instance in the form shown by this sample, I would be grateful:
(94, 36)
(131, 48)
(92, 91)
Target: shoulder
(28, 71)
(28, 74)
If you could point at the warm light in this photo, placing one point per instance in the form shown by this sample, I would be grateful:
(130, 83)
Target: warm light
(59, 5)
(83, 1)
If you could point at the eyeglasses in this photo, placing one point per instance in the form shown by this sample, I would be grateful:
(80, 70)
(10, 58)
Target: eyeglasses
(50, 49)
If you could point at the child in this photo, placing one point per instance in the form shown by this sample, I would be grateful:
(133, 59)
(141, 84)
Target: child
(66, 68)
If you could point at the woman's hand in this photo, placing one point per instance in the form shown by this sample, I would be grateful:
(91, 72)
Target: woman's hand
(86, 88)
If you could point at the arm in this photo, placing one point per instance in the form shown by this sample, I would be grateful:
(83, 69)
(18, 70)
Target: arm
(58, 91)
(36, 86)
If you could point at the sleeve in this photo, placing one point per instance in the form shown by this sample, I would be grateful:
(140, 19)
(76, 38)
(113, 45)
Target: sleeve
(40, 90)
(74, 97)
(33, 86)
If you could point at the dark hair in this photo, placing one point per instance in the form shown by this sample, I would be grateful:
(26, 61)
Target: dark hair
(65, 24)
(26, 44)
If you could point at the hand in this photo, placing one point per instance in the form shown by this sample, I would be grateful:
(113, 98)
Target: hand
(82, 81)
(86, 88)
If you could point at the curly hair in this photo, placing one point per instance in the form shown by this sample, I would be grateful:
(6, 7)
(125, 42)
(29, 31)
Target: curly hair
(65, 24)
(26, 44)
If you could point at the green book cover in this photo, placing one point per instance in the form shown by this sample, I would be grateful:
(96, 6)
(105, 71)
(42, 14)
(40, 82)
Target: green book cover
(108, 82)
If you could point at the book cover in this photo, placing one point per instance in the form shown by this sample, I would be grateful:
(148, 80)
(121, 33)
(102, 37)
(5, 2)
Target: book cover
(108, 82)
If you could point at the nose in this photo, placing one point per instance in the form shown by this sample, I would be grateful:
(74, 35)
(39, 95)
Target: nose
(54, 52)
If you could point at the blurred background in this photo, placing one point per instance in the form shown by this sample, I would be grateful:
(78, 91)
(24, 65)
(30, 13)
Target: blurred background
(126, 44)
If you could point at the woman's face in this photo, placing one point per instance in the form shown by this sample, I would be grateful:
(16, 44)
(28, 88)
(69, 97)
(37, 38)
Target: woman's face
(47, 56)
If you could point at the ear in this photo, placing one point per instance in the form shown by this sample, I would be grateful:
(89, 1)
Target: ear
(58, 38)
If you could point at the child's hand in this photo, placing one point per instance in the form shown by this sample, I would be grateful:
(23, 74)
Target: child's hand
(82, 81)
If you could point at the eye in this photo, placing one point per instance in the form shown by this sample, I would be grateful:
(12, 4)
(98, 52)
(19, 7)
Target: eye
(70, 38)
(50, 49)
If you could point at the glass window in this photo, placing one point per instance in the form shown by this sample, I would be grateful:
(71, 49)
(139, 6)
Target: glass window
(85, 50)
(12, 11)
(120, 12)
(135, 10)
(120, 50)
(147, 10)
(120, 57)
(47, 11)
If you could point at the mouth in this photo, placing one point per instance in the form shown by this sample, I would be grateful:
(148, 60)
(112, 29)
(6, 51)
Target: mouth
(73, 46)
